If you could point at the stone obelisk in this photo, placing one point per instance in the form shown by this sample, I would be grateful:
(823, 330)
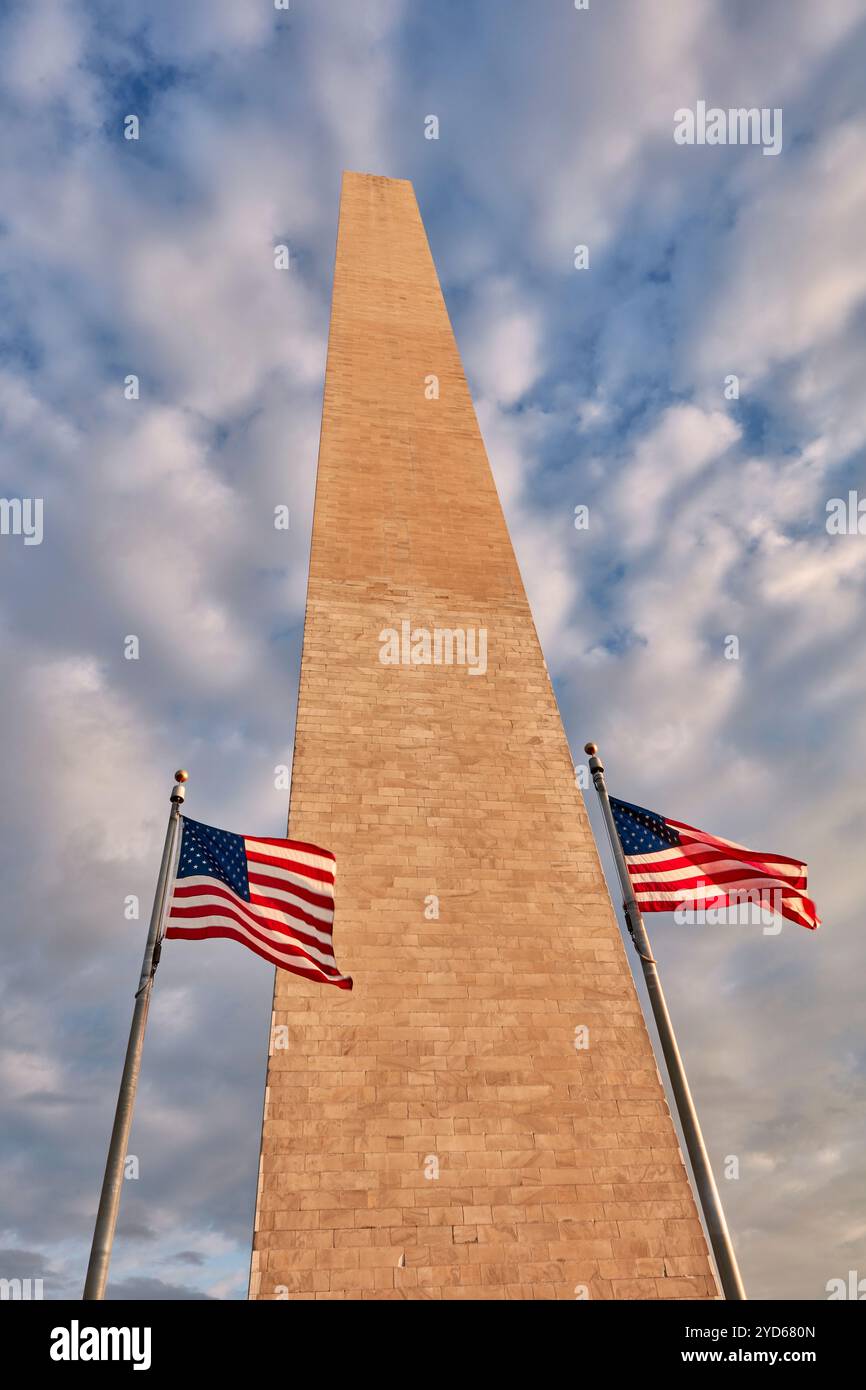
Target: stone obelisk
(482, 1117)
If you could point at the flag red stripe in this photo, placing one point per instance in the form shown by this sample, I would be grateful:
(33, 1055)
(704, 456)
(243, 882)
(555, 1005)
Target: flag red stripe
(707, 889)
(692, 855)
(288, 885)
(186, 888)
(216, 889)
(208, 910)
(712, 888)
(649, 905)
(702, 835)
(259, 900)
(289, 865)
(199, 933)
(293, 844)
(643, 879)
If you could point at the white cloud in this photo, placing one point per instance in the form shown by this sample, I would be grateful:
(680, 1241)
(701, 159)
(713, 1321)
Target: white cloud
(793, 269)
(505, 341)
(681, 443)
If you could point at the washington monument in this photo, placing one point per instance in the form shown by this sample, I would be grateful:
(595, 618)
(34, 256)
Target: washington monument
(482, 1117)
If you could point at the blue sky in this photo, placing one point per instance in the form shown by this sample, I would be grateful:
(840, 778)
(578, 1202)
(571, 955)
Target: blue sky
(602, 387)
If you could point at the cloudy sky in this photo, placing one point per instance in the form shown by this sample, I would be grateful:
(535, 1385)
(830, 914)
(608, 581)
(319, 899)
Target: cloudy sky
(603, 387)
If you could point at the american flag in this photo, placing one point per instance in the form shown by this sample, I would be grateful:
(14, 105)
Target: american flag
(673, 865)
(274, 896)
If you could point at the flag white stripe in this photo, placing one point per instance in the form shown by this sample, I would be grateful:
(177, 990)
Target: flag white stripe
(273, 914)
(648, 874)
(298, 856)
(290, 876)
(717, 860)
(279, 956)
(780, 866)
(208, 899)
(275, 949)
(262, 890)
(708, 892)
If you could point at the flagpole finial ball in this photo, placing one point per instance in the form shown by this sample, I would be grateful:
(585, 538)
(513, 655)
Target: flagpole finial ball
(590, 748)
(181, 775)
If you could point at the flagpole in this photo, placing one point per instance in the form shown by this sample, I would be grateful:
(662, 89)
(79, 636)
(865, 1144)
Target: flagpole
(708, 1193)
(109, 1201)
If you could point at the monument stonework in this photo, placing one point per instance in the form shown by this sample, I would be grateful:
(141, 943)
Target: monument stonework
(443, 1131)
